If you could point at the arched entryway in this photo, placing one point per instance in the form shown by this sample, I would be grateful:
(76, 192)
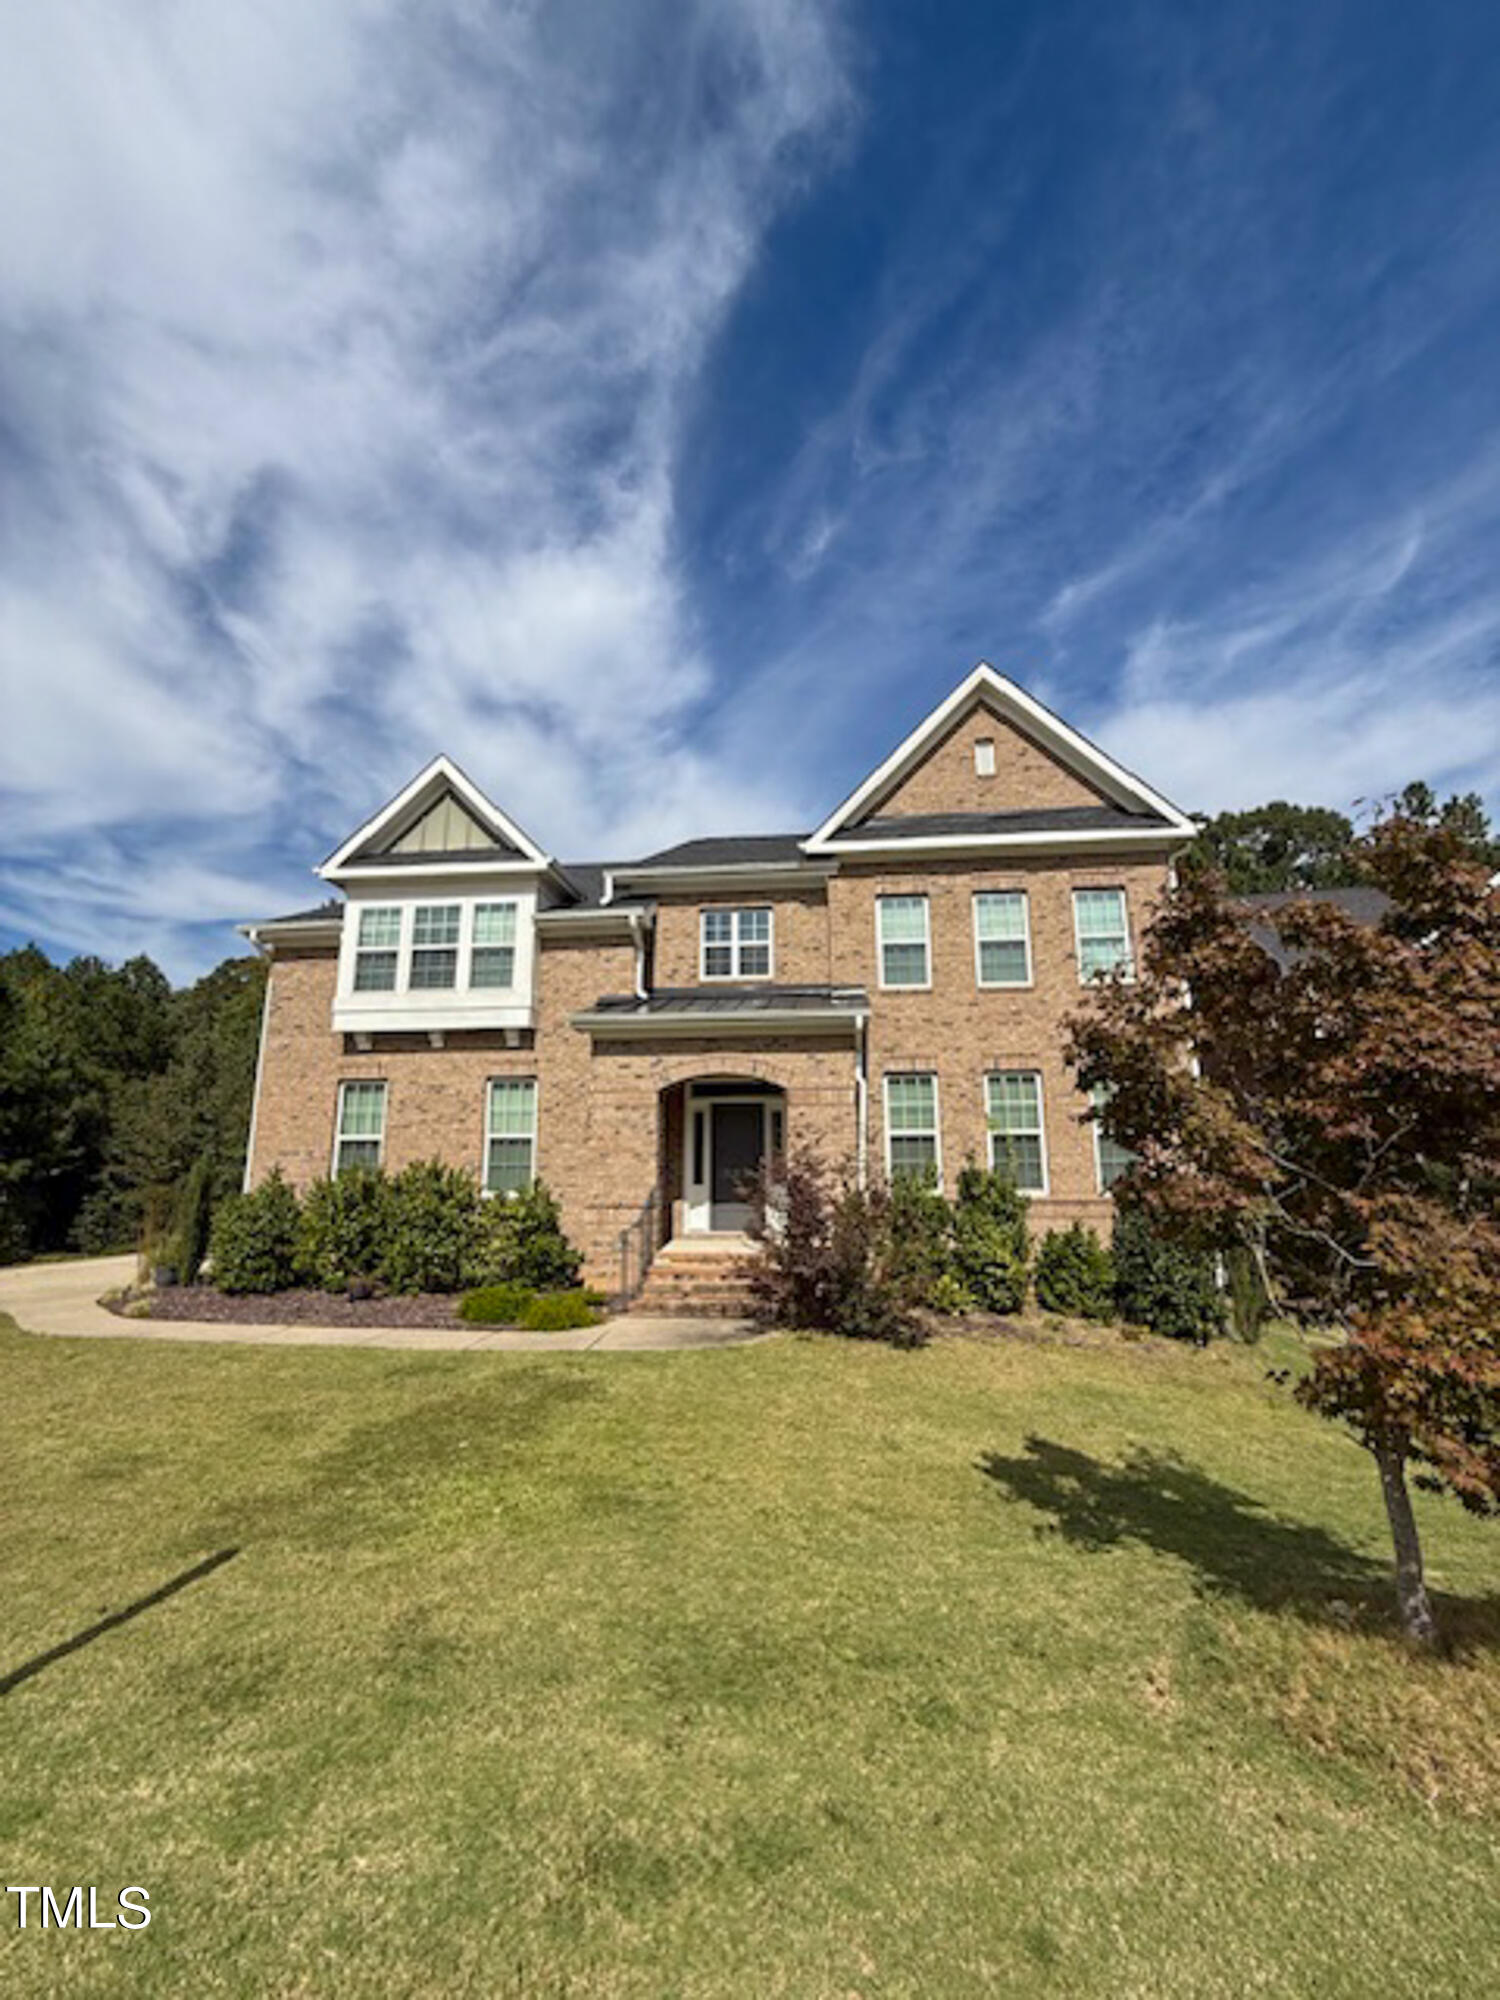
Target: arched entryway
(718, 1131)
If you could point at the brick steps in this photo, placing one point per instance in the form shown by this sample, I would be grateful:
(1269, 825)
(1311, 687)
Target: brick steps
(696, 1282)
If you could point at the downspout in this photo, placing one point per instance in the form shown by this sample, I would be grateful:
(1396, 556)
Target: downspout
(260, 1063)
(861, 1096)
(637, 920)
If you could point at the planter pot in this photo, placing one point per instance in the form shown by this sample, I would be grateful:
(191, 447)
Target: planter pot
(163, 1275)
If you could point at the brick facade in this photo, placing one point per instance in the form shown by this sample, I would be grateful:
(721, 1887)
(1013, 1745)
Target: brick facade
(1026, 775)
(610, 1108)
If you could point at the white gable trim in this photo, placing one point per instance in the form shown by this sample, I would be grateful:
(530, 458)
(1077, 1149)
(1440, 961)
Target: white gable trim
(441, 775)
(1014, 705)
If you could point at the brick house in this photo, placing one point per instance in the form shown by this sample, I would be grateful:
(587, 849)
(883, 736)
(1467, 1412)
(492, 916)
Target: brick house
(889, 987)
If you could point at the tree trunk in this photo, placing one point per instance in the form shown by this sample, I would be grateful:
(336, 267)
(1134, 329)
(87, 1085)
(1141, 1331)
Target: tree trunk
(1411, 1586)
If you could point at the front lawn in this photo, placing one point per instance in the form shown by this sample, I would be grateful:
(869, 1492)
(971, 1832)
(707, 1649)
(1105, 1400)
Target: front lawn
(801, 1669)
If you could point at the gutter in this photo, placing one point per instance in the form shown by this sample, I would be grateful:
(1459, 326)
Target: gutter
(260, 1060)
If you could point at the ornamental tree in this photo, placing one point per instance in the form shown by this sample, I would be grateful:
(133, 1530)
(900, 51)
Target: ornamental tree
(1330, 1097)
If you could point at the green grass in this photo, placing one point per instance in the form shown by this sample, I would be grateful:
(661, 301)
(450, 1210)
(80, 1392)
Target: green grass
(799, 1669)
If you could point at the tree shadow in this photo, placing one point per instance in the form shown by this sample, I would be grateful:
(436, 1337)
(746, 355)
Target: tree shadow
(1232, 1542)
(90, 1633)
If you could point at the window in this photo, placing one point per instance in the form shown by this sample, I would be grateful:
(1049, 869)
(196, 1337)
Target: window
(984, 756)
(1110, 1157)
(901, 928)
(434, 946)
(377, 949)
(736, 944)
(911, 1127)
(493, 962)
(1099, 926)
(1002, 945)
(1013, 1107)
(510, 1135)
(361, 1126)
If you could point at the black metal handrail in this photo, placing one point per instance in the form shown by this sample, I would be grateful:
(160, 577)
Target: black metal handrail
(637, 1248)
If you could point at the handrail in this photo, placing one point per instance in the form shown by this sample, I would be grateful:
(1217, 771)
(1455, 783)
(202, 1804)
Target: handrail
(637, 1248)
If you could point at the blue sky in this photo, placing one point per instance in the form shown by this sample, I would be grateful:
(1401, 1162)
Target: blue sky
(659, 408)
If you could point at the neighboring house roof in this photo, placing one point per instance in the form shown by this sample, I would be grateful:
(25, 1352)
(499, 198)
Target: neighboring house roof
(1052, 819)
(1361, 902)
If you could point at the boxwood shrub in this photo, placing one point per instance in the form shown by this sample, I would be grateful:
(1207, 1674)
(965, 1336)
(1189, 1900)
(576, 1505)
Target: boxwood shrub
(253, 1242)
(552, 1312)
(1075, 1274)
(496, 1305)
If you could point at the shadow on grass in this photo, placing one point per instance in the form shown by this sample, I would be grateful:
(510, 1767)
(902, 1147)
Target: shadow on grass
(1233, 1543)
(90, 1633)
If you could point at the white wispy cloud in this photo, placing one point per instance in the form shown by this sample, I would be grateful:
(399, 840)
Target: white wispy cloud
(342, 359)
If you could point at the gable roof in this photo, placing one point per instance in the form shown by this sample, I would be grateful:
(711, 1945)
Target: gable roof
(383, 842)
(1145, 810)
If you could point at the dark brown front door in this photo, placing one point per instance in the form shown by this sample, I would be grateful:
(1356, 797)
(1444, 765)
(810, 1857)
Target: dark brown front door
(736, 1154)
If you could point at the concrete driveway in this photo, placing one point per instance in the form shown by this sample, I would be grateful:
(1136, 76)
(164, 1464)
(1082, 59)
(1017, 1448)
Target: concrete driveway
(64, 1299)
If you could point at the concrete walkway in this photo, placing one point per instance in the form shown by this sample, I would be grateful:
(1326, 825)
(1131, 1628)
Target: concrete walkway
(63, 1299)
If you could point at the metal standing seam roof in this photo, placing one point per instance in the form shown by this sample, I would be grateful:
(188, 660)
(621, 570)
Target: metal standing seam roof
(832, 1000)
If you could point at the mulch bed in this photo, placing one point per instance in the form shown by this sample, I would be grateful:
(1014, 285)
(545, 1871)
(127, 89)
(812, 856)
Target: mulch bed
(297, 1308)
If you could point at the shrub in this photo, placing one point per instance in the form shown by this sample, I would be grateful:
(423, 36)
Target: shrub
(552, 1312)
(497, 1305)
(345, 1230)
(991, 1247)
(1163, 1285)
(918, 1227)
(1075, 1274)
(520, 1240)
(192, 1219)
(434, 1228)
(948, 1295)
(825, 1247)
(253, 1242)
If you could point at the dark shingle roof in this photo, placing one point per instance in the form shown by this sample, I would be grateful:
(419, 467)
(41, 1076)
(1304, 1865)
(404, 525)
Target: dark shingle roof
(1361, 902)
(737, 1000)
(1051, 819)
(333, 908)
(731, 850)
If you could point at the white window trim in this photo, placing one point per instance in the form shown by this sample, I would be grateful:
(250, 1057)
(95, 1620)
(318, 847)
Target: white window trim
(339, 1134)
(914, 986)
(488, 1193)
(362, 951)
(937, 1121)
(1031, 1194)
(736, 944)
(1004, 985)
(1095, 889)
(467, 944)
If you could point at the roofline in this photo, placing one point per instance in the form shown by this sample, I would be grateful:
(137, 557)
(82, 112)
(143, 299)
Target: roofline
(734, 874)
(1056, 735)
(375, 871)
(1087, 841)
(281, 930)
(595, 916)
(439, 769)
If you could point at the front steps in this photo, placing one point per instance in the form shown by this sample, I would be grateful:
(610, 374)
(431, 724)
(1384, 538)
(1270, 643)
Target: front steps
(697, 1277)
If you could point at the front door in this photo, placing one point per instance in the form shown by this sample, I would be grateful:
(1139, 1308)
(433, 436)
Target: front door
(725, 1141)
(738, 1131)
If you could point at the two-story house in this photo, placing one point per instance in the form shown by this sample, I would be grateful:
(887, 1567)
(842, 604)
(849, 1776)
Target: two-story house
(889, 987)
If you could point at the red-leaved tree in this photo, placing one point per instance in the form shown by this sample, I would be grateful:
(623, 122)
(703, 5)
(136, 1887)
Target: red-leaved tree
(1334, 1105)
